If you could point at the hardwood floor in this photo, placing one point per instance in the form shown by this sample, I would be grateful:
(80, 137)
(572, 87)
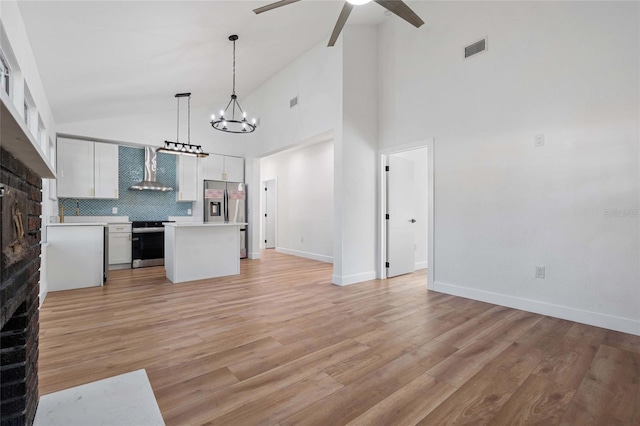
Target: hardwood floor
(279, 344)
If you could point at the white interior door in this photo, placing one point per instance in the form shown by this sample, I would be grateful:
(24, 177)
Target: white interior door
(269, 228)
(401, 208)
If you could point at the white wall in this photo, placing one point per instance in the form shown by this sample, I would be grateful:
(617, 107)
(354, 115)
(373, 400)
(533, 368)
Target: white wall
(15, 43)
(304, 199)
(421, 196)
(153, 128)
(568, 70)
(355, 160)
(315, 77)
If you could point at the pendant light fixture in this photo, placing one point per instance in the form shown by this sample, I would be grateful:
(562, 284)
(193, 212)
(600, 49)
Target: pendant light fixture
(227, 121)
(177, 147)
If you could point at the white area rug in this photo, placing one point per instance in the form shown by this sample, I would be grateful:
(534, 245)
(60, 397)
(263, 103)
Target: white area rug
(121, 400)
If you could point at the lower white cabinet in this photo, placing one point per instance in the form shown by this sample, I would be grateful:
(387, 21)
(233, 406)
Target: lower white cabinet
(75, 255)
(120, 246)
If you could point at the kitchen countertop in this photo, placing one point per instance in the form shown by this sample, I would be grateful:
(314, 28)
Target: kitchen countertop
(70, 218)
(79, 224)
(187, 224)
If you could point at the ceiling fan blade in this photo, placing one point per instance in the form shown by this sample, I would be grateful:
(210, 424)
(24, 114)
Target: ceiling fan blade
(401, 9)
(274, 6)
(342, 19)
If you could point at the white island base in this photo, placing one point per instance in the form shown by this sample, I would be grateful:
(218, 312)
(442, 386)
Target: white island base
(196, 251)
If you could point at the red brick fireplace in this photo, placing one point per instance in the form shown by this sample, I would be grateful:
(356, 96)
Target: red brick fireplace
(21, 207)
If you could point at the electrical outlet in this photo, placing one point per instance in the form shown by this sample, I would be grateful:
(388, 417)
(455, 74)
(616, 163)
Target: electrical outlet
(114, 210)
(539, 141)
(189, 212)
(302, 239)
(540, 272)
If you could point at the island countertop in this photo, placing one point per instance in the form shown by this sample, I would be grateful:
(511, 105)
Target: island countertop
(192, 224)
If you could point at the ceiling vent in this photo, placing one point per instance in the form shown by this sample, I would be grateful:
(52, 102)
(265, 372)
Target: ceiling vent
(475, 48)
(293, 102)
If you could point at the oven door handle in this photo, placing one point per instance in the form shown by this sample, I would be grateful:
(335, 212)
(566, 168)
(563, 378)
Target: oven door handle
(135, 239)
(147, 230)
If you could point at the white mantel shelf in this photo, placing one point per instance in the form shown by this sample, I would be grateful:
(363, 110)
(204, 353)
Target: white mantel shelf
(16, 139)
(197, 251)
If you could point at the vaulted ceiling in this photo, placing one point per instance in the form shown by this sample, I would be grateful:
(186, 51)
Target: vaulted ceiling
(115, 58)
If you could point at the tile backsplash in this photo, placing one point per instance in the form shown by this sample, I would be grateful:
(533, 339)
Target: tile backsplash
(138, 205)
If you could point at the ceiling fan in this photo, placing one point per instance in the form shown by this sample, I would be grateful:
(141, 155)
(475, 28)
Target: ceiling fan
(397, 7)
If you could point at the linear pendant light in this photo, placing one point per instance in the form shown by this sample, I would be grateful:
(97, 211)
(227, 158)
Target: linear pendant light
(177, 147)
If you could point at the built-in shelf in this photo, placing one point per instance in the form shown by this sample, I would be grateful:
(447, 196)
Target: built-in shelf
(16, 139)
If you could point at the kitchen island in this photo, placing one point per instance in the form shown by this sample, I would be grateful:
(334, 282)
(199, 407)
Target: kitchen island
(196, 251)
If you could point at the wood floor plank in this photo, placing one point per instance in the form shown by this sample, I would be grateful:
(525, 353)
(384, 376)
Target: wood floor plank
(466, 362)
(217, 404)
(170, 397)
(608, 391)
(538, 401)
(408, 405)
(479, 399)
(352, 400)
(568, 361)
(280, 344)
(280, 405)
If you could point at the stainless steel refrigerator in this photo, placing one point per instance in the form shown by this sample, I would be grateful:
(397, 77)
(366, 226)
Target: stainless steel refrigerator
(227, 202)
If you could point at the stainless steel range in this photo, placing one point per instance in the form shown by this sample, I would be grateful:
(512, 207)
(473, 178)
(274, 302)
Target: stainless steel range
(147, 244)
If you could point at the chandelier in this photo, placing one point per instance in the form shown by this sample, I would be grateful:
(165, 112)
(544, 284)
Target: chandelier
(227, 121)
(178, 147)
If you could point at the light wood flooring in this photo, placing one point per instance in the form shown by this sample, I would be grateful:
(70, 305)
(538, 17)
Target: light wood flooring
(279, 344)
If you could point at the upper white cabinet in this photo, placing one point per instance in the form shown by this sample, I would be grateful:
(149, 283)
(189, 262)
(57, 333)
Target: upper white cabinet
(234, 169)
(75, 169)
(105, 177)
(222, 167)
(213, 167)
(187, 178)
(87, 169)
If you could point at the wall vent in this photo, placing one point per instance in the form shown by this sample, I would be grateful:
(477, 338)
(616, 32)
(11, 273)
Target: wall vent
(293, 102)
(475, 48)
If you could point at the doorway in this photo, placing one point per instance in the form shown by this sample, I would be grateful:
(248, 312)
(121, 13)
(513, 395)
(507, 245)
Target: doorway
(269, 203)
(406, 210)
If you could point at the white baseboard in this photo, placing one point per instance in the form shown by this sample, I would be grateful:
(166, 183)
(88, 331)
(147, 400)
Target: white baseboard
(625, 325)
(119, 266)
(44, 290)
(313, 256)
(353, 279)
(422, 265)
(255, 255)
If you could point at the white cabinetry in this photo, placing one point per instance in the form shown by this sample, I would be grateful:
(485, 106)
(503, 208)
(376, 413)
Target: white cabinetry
(187, 178)
(105, 166)
(234, 169)
(87, 169)
(75, 255)
(223, 167)
(120, 246)
(75, 169)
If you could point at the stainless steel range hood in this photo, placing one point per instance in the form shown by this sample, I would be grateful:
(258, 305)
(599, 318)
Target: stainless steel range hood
(149, 183)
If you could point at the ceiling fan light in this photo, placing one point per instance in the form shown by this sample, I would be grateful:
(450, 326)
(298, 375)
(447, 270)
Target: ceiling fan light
(358, 2)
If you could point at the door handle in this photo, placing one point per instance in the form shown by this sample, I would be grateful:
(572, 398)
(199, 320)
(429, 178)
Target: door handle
(413, 221)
